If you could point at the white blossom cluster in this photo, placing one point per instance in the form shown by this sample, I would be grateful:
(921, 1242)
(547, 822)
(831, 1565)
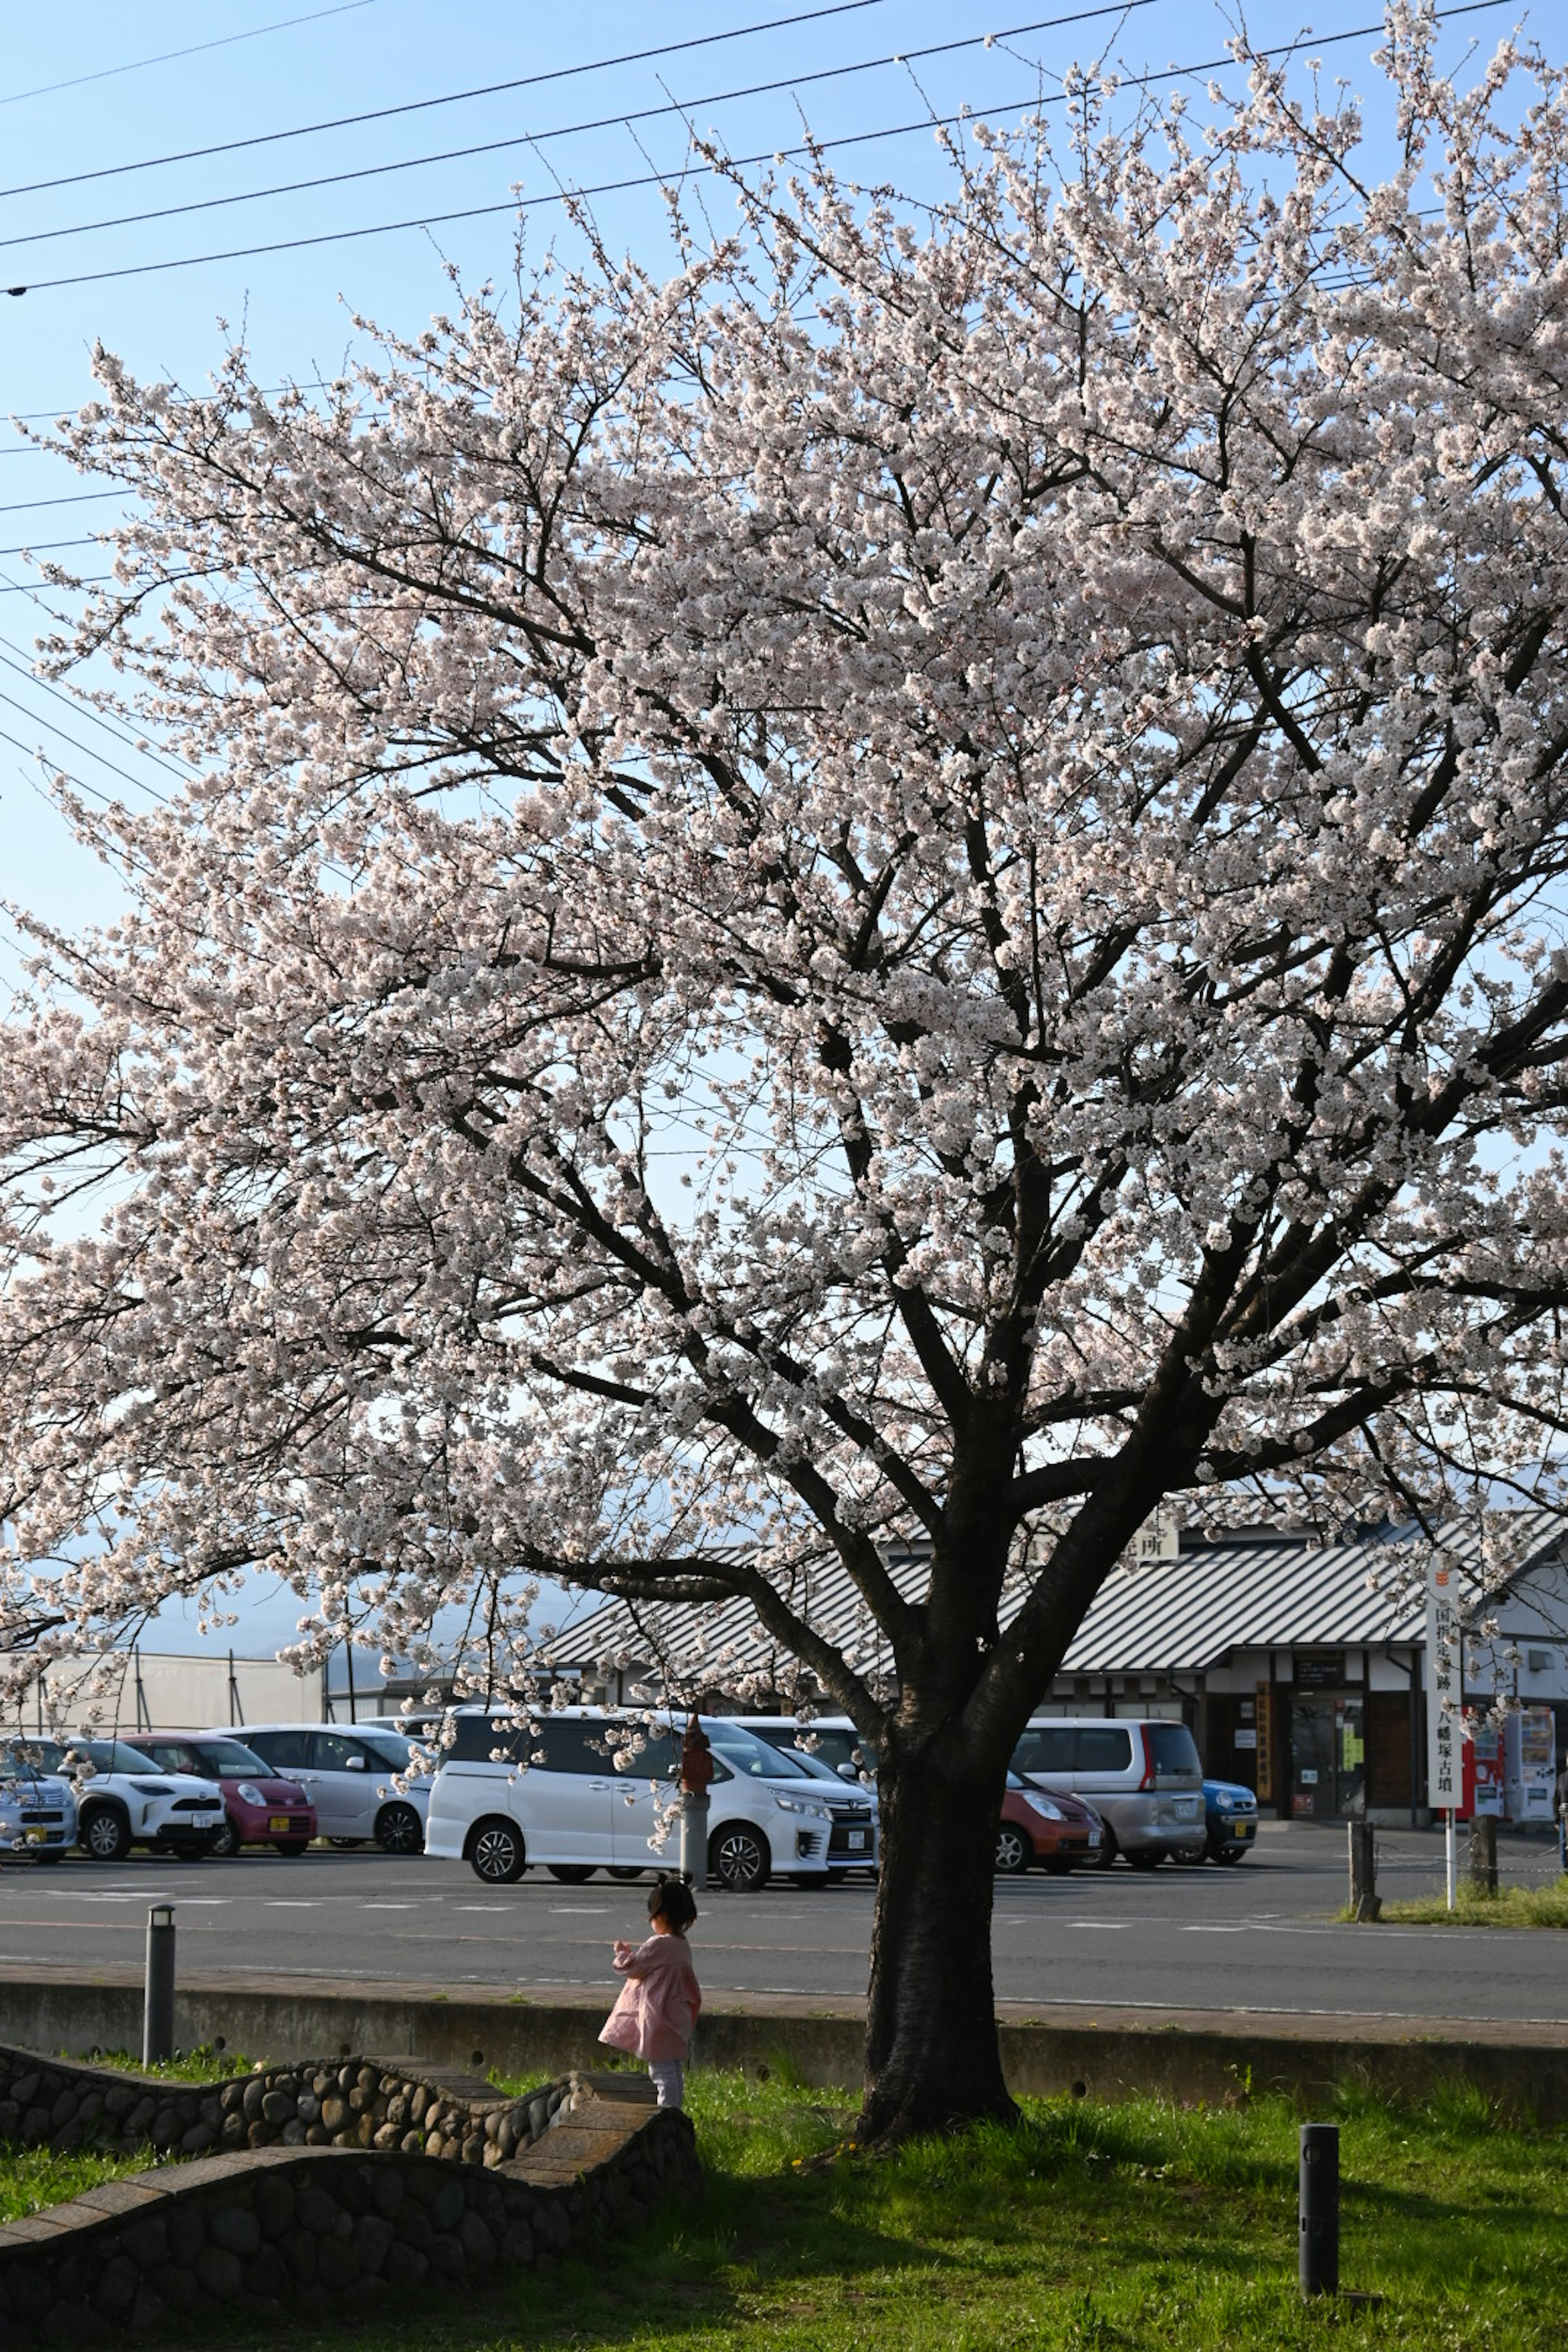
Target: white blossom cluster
(908, 886)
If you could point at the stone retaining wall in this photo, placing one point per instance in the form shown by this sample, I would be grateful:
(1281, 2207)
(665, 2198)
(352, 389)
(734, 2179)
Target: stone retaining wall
(291, 2231)
(333, 2102)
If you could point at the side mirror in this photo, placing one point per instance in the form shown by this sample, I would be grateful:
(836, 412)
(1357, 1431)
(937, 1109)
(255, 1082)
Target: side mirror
(848, 1772)
(356, 1764)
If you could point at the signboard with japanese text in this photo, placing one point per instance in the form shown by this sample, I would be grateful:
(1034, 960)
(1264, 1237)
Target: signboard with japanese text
(1263, 1694)
(1445, 1690)
(1159, 1537)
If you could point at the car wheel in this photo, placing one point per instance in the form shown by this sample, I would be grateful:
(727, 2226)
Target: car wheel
(1107, 1852)
(836, 1878)
(344, 1844)
(808, 1879)
(47, 1859)
(496, 1852)
(1233, 1853)
(291, 1845)
(191, 1853)
(1149, 1858)
(104, 1834)
(739, 1859)
(226, 1841)
(1014, 1852)
(399, 1829)
(570, 1874)
(623, 1872)
(1058, 1868)
(1190, 1854)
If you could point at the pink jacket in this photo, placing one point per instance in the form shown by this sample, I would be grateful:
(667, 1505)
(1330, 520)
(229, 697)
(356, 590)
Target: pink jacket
(658, 2006)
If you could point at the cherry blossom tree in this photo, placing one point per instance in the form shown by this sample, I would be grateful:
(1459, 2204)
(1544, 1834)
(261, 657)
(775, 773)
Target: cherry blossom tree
(905, 888)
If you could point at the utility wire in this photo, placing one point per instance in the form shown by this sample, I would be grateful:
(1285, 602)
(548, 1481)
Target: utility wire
(573, 130)
(1121, 8)
(514, 205)
(85, 749)
(451, 97)
(165, 56)
(13, 657)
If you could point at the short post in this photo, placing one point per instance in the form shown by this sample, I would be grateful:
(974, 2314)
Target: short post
(1451, 1859)
(693, 1837)
(1320, 2209)
(1483, 1853)
(695, 1779)
(1365, 1902)
(158, 1995)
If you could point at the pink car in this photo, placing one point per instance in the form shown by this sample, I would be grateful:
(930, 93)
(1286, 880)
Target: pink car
(259, 1807)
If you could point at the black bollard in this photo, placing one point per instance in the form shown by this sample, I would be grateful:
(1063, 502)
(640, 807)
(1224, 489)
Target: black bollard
(158, 1995)
(1319, 2209)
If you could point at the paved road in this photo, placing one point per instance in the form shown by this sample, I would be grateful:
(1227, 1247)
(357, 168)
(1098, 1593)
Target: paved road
(1260, 1936)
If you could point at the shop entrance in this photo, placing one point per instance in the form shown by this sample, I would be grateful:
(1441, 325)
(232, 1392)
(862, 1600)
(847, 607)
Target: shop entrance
(1327, 1755)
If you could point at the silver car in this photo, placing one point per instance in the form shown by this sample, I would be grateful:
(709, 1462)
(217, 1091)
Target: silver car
(37, 1808)
(1142, 1775)
(356, 1779)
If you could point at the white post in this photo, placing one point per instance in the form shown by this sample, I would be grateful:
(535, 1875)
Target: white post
(1451, 1858)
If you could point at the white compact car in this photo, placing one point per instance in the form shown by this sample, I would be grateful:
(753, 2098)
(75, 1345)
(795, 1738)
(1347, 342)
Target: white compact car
(350, 1777)
(37, 1808)
(567, 1790)
(123, 1800)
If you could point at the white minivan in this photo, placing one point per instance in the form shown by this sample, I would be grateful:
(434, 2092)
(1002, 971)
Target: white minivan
(349, 1777)
(580, 1789)
(1142, 1775)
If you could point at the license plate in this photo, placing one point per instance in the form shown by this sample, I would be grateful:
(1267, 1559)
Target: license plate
(279, 1826)
(35, 1837)
(858, 1840)
(1239, 1829)
(1186, 1807)
(1094, 1837)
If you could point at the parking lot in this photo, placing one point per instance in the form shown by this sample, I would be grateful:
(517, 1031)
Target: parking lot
(1259, 1937)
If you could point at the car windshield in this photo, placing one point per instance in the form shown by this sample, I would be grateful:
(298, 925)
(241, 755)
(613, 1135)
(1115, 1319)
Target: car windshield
(751, 1758)
(212, 1756)
(30, 1756)
(115, 1755)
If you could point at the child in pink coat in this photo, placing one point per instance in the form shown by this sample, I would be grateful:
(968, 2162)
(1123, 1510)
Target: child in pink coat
(658, 2006)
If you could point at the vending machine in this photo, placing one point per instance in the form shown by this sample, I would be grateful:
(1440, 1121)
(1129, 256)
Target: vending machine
(1483, 1769)
(1530, 1764)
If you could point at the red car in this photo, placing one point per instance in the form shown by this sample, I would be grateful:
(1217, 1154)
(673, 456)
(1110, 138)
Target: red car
(1055, 1831)
(259, 1808)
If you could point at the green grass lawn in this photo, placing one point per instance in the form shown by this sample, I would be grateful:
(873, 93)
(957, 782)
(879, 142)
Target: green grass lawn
(1512, 1907)
(1092, 2228)
(32, 2177)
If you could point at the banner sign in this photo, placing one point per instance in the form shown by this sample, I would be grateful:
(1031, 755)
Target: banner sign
(1445, 1690)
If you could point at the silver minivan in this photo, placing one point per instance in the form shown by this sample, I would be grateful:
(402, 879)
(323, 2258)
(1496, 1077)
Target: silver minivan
(1142, 1775)
(352, 1776)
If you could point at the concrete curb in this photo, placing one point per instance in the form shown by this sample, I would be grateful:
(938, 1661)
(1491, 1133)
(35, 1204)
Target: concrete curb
(1214, 2056)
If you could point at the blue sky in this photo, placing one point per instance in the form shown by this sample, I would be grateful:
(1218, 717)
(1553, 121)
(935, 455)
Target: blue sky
(125, 99)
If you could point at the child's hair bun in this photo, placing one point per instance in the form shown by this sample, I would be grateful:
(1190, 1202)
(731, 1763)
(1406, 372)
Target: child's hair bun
(670, 1898)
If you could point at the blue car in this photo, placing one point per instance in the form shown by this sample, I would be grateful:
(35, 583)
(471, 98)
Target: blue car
(1230, 1817)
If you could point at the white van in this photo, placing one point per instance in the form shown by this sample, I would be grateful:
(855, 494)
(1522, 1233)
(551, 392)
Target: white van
(1142, 1775)
(566, 1790)
(856, 1815)
(348, 1775)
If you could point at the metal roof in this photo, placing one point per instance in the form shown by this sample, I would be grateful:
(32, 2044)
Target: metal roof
(1283, 1590)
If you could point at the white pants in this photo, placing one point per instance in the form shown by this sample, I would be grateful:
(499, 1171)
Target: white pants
(669, 2081)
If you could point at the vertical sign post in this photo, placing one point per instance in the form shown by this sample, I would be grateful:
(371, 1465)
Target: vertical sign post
(1445, 1703)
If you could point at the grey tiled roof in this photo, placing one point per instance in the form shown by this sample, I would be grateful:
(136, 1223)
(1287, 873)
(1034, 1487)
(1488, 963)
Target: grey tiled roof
(1271, 1591)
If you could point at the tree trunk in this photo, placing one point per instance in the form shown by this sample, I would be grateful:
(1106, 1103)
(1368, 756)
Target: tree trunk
(932, 2058)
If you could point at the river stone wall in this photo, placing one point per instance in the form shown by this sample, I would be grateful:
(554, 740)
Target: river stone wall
(346, 2103)
(290, 2232)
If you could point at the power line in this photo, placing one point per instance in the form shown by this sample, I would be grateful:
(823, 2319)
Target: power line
(24, 669)
(165, 56)
(451, 97)
(70, 498)
(85, 749)
(514, 205)
(1121, 8)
